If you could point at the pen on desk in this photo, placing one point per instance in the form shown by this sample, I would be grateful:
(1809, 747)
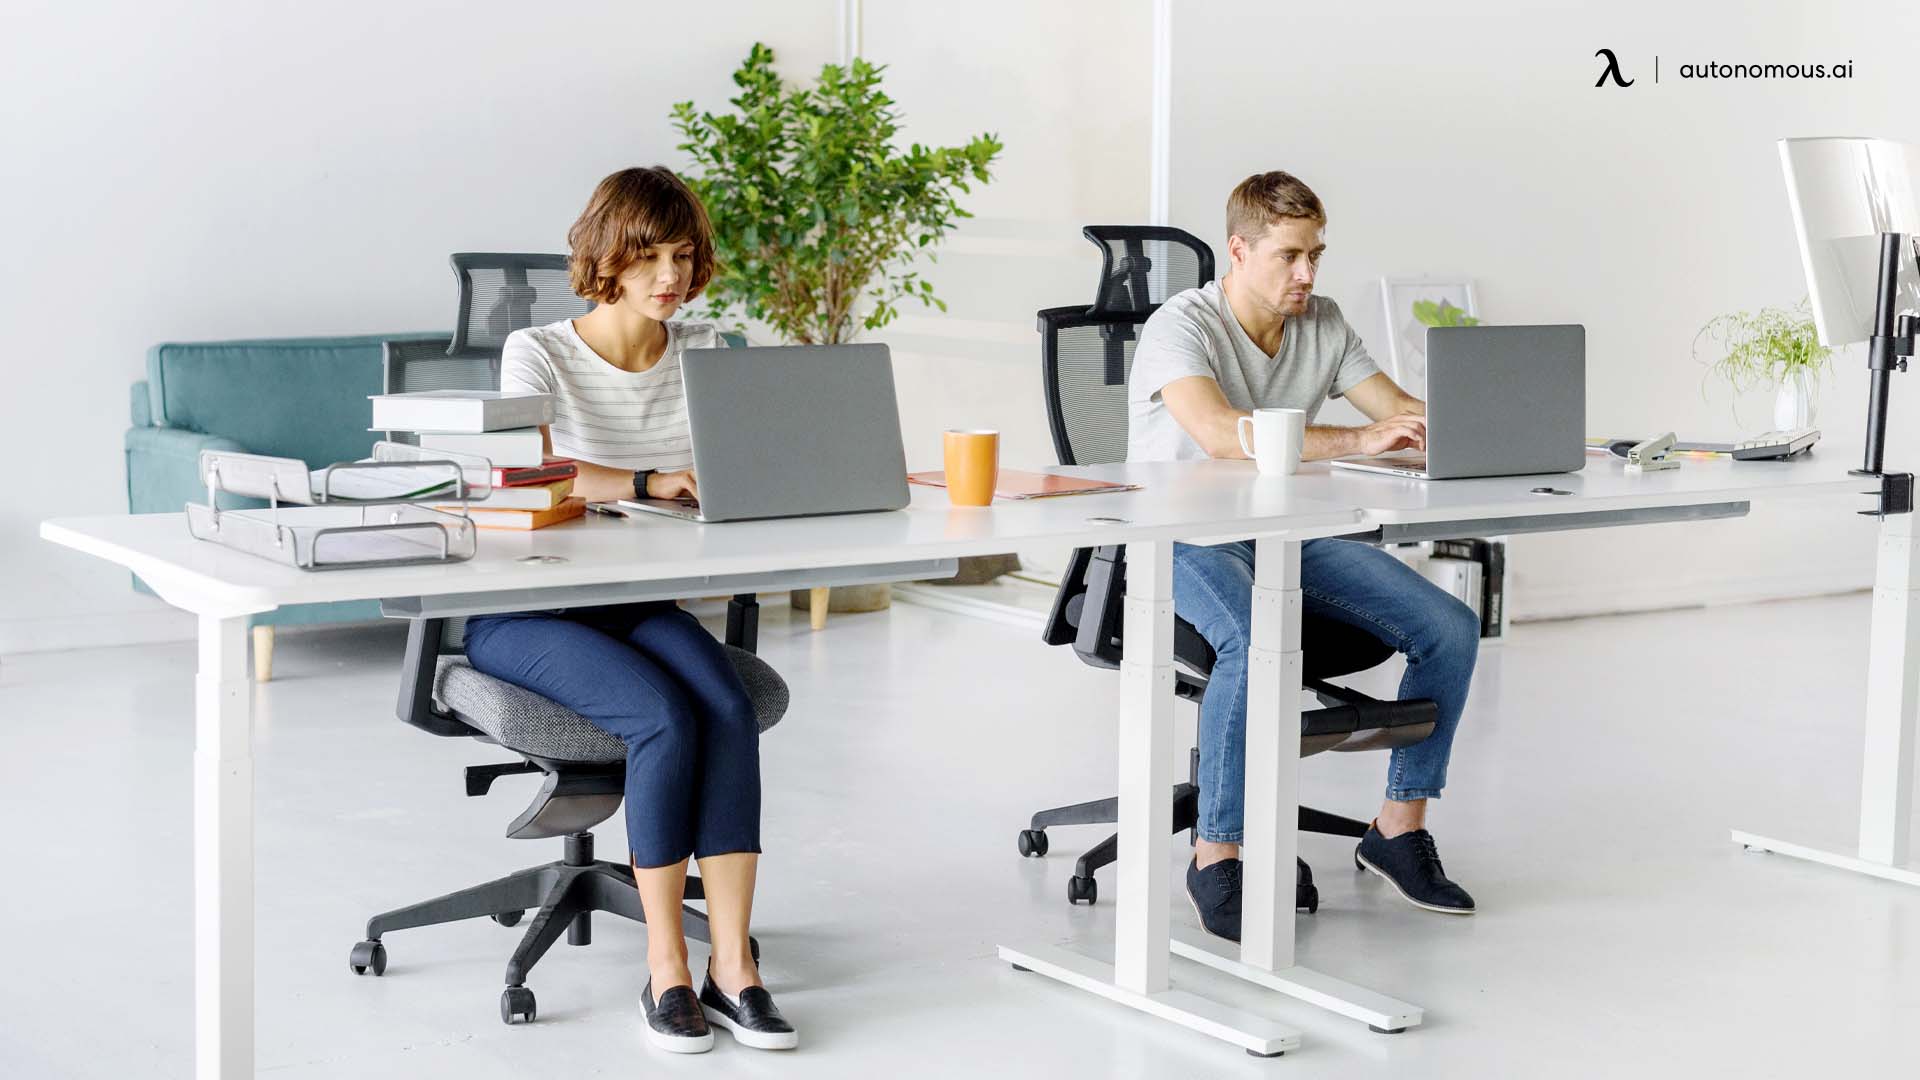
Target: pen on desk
(607, 509)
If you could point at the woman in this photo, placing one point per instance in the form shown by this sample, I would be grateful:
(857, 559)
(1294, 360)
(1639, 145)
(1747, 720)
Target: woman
(647, 673)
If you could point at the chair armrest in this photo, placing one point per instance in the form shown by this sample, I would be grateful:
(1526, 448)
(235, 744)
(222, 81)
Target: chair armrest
(743, 622)
(1102, 610)
(139, 405)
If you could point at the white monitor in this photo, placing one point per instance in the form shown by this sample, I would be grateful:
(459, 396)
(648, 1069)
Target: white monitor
(1845, 193)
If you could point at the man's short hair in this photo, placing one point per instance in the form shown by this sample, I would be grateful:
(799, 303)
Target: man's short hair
(631, 211)
(1264, 198)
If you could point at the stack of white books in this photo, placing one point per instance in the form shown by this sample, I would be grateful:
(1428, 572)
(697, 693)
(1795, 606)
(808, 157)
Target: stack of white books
(502, 427)
(529, 489)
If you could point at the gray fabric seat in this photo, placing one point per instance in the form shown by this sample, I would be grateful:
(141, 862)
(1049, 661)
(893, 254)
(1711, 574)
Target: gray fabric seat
(522, 720)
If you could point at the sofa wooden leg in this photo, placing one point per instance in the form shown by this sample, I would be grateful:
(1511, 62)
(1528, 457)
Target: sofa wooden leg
(817, 606)
(262, 654)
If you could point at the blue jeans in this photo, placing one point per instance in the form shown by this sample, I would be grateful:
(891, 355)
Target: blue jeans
(652, 676)
(1356, 584)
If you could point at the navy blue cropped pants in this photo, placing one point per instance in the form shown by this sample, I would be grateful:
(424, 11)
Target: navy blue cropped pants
(652, 676)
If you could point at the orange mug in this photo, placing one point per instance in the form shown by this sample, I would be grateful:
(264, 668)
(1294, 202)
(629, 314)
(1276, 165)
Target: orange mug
(973, 466)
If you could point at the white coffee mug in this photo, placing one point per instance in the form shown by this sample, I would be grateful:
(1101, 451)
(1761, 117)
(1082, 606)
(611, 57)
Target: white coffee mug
(1277, 435)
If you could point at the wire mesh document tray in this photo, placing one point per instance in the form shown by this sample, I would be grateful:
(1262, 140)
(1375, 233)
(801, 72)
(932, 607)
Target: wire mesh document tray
(350, 515)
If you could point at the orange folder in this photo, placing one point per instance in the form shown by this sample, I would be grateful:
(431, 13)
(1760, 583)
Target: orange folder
(1016, 484)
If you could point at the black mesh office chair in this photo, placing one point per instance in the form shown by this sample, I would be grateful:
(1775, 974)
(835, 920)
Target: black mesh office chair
(501, 292)
(1086, 355)
(585, 769)
(442, 694)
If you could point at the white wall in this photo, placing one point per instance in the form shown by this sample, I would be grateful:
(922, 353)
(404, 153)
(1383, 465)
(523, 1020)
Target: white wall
(266, 168)
(1469, 138)
(1064, 86)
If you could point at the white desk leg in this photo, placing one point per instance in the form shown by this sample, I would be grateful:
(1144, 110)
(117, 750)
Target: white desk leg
(1273, 758)
(1893, 702)
(1274, 672)
(1146, 772)
(223, 853)
(1138, 975)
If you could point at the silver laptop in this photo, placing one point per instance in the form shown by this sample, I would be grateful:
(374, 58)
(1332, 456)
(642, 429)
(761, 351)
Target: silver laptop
(1501, 401)
(790, 431)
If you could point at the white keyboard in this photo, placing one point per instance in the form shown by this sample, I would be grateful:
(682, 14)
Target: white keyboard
(1775, 444)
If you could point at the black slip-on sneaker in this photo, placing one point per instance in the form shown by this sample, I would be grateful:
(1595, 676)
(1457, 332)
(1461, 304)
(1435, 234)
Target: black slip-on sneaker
(675, 1023)
(1411, 864)
(754, 1019)
(1214, 892)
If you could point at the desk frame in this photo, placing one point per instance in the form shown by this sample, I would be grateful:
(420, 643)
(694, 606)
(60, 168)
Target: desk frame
(1139, 975)
(223, 907)
(1144, 937)
(1893, 703)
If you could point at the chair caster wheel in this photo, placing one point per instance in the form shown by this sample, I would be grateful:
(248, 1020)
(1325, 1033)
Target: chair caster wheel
(1033, 843)
(753, 946)
(1308, 899)
(368, 956)
(1082, 888)
(509, 918)
(1386, 1031)
(516, 1001)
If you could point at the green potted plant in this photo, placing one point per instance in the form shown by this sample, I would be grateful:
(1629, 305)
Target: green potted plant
(1770, 348)
(1441, 313)
(821, 216)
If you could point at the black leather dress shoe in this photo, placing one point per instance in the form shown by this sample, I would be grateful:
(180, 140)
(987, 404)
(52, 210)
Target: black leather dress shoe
(754, 1019)
(1411, 864)
(675, 1023)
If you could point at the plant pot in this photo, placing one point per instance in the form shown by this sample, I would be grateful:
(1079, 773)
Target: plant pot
(846, 598)
(1793, 404)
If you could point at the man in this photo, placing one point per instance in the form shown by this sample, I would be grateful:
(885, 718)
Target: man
(1259, 338)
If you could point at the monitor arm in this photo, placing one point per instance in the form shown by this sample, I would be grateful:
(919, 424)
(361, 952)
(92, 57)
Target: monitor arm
(1887, 352)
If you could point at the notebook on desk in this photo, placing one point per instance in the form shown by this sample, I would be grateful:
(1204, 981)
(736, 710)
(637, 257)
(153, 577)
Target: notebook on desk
(1017, 484)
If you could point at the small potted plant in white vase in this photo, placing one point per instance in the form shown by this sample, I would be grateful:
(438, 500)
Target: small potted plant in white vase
(1772, 347)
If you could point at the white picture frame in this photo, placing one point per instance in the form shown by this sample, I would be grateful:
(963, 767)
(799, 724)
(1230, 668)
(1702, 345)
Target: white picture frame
(1406, 336)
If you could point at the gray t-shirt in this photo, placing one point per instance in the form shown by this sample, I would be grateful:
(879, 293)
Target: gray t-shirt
(1196, 333)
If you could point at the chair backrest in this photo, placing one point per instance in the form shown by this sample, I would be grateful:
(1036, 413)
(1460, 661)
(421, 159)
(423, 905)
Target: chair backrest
(1086, 355)
(409, 366)
(501, 292)
(1087, 351)
(1142, 265)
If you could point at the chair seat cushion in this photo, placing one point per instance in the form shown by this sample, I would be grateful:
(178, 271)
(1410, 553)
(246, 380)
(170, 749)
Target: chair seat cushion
(522, 720)
(1331, 648)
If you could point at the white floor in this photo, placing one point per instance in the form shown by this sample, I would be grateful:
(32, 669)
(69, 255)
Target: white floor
(1601, 764)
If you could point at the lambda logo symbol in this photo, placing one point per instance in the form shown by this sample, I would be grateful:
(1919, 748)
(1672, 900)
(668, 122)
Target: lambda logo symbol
(1612, 70)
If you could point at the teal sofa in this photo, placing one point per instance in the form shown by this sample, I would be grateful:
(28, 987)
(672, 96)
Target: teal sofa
(304, 398)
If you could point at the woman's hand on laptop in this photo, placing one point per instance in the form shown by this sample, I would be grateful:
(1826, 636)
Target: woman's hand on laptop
(1402, 432)
(673, 485)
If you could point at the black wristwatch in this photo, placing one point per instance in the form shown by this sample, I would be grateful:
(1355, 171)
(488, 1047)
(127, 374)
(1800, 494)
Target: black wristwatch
(640, 483)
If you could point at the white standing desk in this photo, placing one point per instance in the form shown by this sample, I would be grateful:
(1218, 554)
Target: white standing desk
(605, 560)
(1605, 494)
(1395, 509)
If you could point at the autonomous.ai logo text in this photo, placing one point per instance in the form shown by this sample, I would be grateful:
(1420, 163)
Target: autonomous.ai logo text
(1612, 70)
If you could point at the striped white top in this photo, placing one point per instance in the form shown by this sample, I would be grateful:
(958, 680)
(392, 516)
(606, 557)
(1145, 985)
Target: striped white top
(601, 413)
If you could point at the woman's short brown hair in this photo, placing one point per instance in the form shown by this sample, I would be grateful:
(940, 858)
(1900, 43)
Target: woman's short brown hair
(631, 211)
(1264, 198)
